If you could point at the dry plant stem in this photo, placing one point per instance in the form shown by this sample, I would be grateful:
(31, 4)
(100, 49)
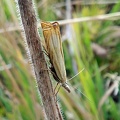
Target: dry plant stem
(33, 40)
(111, 16)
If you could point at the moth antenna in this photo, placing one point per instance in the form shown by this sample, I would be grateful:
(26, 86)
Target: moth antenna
(80, 92)
(86, 97)
(76, 74)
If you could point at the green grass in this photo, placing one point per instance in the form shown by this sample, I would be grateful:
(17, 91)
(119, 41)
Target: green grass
(19, 99)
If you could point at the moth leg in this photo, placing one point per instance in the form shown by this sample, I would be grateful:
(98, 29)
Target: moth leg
(45, 49)
(57, 91)
(49, 71)
(55, 87)
(46, 53)
(43, 44)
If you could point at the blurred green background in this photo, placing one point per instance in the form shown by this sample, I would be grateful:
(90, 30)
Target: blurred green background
(93, 45)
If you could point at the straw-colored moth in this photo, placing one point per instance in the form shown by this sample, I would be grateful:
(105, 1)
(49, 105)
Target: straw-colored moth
(53, 46)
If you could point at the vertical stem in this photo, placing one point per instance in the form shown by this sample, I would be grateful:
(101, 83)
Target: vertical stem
(29, 22)
(69, 30)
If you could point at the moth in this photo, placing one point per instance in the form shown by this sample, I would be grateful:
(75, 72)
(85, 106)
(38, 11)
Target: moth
(53, 47)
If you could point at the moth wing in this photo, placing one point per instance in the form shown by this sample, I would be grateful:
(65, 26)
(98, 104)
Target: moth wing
(58, 56)
(59, 38)
(53, 43)
(46, 27)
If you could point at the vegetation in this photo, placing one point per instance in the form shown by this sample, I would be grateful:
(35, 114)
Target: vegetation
(93, 45)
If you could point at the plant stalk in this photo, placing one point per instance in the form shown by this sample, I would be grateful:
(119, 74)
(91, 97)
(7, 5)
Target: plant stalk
(29, 22)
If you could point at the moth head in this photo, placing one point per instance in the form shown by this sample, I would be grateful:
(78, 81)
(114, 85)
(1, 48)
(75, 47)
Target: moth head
(66, 86)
